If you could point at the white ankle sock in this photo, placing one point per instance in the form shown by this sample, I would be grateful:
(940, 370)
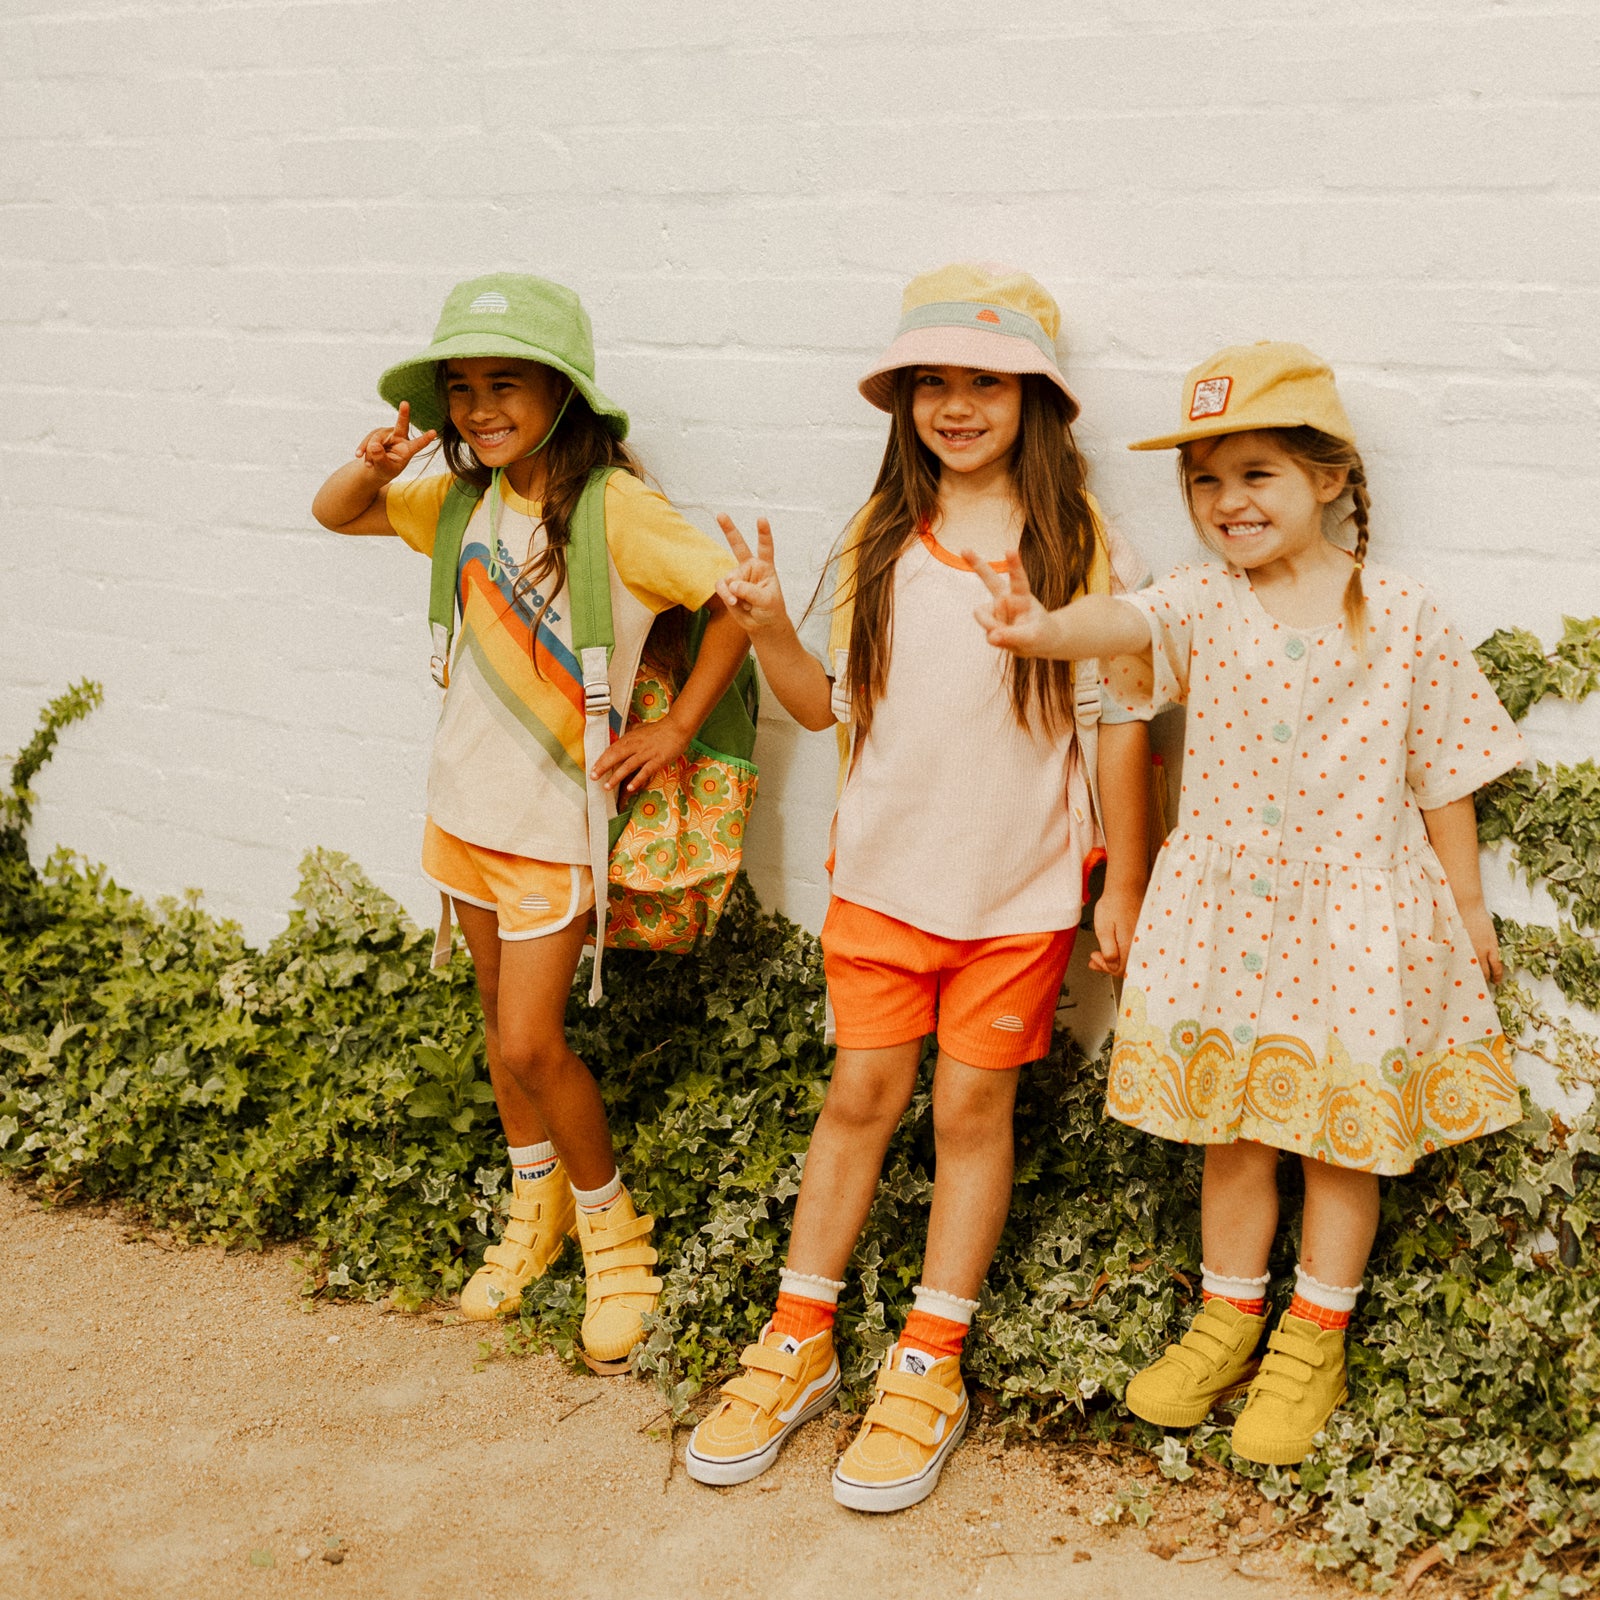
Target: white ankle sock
(531, 1162)
(1327, 1295)
(951, 1307)
(806, 1287)
(1233, 1288)
(598, 1199)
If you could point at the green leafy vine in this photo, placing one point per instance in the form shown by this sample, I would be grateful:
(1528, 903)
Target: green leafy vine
(330, 1088)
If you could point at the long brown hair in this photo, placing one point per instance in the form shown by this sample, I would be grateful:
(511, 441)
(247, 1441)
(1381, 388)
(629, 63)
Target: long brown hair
(580, 443)
(1315, 451)
(1057, 545)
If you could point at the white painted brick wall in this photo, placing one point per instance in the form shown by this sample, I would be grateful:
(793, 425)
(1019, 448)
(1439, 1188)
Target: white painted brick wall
(219, 222)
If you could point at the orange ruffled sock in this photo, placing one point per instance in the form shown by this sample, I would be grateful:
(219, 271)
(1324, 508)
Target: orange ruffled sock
(1325, 1304)
(938, 1322)
(806, 1305)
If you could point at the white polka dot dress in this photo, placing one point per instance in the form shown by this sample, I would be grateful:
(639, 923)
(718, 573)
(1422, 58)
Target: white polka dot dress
(1301, 976)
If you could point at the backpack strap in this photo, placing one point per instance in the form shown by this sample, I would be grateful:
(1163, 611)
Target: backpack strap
(593, 639)
(460, 501)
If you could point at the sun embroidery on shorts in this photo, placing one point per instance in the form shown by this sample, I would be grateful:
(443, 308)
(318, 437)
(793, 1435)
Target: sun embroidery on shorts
(1008, 1024)
(1210, 398)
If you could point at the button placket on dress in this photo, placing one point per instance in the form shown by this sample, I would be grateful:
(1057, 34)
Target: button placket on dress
(1283, 745)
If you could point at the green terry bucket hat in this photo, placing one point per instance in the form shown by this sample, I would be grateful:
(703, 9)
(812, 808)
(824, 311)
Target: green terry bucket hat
(504, 314)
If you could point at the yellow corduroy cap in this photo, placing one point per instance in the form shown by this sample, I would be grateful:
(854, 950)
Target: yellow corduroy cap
(1270, 384)
(972, 315)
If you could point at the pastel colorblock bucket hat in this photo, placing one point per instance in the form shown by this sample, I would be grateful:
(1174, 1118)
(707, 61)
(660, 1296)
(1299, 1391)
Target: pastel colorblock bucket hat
(1266, 385)
(504, 314)
(968, 315)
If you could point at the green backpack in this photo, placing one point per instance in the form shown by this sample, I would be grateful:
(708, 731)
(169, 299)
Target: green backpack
(663, 867)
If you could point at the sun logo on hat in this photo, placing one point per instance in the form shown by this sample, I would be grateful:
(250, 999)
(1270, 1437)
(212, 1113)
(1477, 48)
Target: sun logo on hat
(490, 303)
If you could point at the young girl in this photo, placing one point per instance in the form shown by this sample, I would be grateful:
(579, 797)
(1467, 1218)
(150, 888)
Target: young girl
(1311, 971)
(963, 831)
(507, 386)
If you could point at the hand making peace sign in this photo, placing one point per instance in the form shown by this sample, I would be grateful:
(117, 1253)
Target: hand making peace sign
(751, 592)
(388, 451)
(1012, 616)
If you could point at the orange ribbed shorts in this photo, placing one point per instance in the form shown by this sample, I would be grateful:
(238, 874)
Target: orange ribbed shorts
(992, 1001)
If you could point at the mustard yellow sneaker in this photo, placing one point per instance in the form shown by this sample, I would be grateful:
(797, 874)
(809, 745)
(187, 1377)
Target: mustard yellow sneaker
(907, 1434)
(620, 1290)
(1300, 1385)
(783, 1386)
(542, 1219)
(1211, 1363)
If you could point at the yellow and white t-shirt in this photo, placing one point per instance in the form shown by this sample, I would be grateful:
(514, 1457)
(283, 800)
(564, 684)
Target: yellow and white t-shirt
(507, 770)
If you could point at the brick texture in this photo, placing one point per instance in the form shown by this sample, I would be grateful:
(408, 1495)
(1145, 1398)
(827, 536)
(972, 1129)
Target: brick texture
(219, 222)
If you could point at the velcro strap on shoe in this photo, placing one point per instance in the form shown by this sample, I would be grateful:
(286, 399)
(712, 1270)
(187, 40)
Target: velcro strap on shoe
(880, 1416)
(909, 1385)
(508, 1256)
(633, 1255)
(610, 1238)
(1295, 1347)
(525, 1210)
(620, 1283)
(764, 1358)
(763, 1396)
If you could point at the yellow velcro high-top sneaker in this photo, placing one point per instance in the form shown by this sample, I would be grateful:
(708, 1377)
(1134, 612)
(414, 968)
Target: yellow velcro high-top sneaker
(1300, 1385)
(783, 1386)
(1212, 1362)
(542, 1218)
(907, 1434)
(618, 1284)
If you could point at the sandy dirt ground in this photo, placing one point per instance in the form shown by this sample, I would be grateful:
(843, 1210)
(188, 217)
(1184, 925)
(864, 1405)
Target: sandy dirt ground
(176, 1423)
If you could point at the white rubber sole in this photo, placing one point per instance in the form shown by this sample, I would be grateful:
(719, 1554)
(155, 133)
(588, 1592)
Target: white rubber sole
(908, 1491)
(721, 1473)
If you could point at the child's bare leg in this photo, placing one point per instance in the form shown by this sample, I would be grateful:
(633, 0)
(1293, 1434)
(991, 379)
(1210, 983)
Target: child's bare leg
(1341, 1221)
(1239, 1208)
(517, 1114)
(535, 977)
(972, 1110)
(867, 1096)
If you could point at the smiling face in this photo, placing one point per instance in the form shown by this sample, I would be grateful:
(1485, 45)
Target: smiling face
(502, 408)
(968, 418)
(1253, 502)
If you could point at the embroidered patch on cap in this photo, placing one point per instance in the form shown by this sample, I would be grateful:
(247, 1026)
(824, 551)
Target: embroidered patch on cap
(986, 315)
(1210, 398)
(491, 303)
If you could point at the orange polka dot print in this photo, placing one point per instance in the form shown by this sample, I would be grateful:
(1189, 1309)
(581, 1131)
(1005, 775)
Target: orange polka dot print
(1301, 975)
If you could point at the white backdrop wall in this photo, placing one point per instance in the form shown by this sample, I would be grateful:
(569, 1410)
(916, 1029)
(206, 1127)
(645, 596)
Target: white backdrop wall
(219, 222)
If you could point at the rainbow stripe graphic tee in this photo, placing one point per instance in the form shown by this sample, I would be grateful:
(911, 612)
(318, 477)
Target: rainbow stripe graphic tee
(507, 767)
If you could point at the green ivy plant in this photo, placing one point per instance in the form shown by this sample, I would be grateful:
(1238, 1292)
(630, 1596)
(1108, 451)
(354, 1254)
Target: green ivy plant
(329, 1088)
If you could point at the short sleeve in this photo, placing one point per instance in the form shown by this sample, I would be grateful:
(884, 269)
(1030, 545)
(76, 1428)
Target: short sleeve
(1137, 687)
(1459, 735)
(1128, 574)
(413, 507)
(662, 557)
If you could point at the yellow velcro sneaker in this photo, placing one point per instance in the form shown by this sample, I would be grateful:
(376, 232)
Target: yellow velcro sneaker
(906, 1437)
(618, 1284)
(784, 1384)
(1300, 1385)
(542, 1217)
(1212, 1362)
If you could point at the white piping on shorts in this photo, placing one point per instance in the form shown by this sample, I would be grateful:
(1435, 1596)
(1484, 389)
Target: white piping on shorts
(555, 927)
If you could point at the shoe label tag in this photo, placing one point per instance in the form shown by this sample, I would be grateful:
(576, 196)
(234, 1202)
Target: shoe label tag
(916, 1362)
(790, 1345)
